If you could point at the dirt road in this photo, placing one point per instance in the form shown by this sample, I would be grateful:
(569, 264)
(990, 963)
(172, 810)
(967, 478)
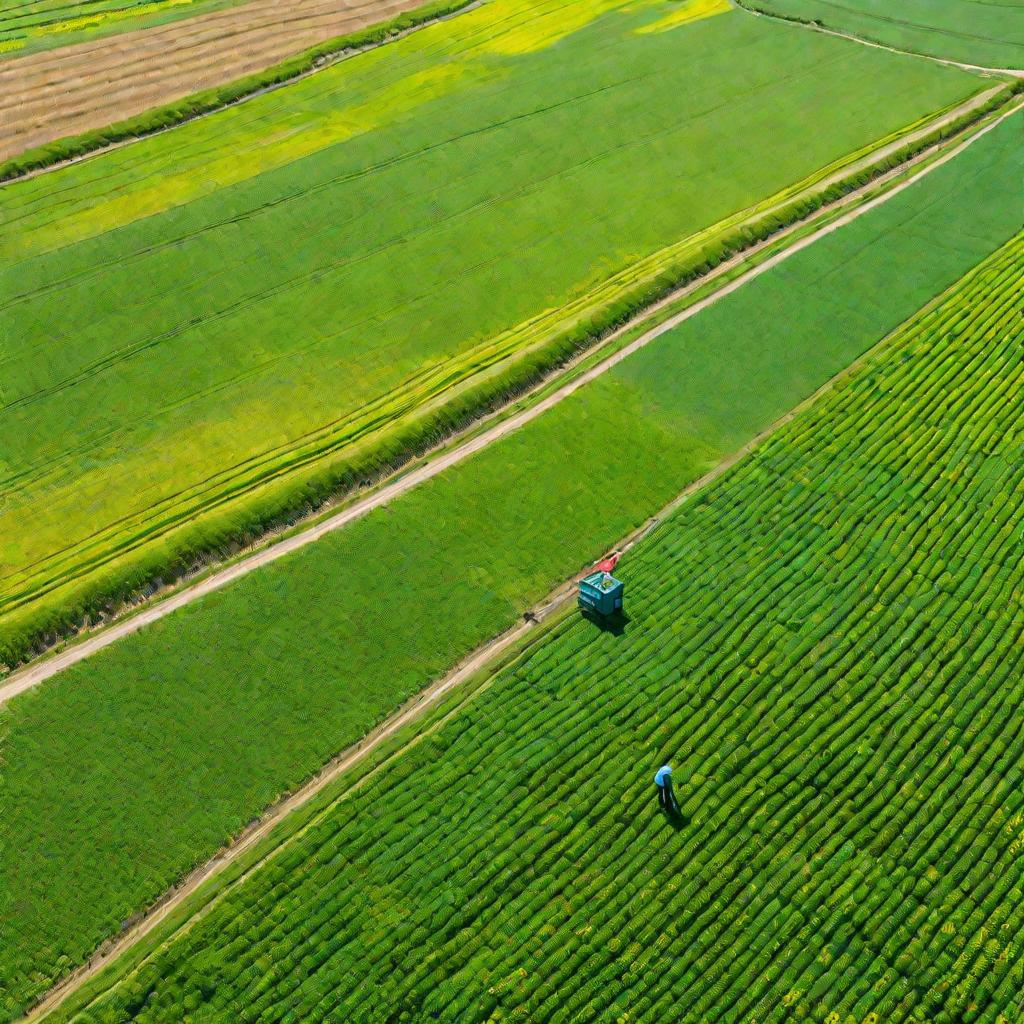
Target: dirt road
(47, 95)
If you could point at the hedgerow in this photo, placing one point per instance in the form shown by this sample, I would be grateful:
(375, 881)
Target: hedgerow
(828, 646)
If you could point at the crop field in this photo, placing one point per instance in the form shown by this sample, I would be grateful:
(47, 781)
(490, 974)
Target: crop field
(990, 34)
(230, 319)
(38, 24)
(130, 83)
(828, 645)
(313, 650)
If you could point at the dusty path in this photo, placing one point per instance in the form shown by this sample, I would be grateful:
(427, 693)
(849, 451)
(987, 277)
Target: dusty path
(45, 96)
(491, 652)
(39, 672)
(977, 68)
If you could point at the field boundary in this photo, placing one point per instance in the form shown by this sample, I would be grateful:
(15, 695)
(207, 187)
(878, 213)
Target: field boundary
(483, 431)
(257, 841)
(817, 26)
(118, 579)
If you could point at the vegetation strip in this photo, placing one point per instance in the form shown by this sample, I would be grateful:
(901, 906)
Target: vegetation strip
(318, 648)
(451, 455)
(833, 717)
(51, 589)
(43, 25)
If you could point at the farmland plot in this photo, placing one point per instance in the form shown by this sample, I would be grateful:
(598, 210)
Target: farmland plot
(231, 319)
(134, 82)
(828, 645)
(990, 34)
(251, 690)
(46, 23)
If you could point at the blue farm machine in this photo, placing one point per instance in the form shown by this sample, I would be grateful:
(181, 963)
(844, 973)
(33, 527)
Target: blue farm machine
(600, 593)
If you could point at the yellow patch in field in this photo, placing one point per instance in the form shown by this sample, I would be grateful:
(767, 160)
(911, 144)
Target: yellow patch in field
(92, 20)
(256, 152)
(400, 97)
(9, 45)
(685, 12)
(544, 25)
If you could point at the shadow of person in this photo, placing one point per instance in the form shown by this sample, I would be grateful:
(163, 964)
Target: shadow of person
(674, 818)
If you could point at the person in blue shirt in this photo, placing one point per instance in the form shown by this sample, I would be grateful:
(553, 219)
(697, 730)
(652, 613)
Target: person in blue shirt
(666, 795)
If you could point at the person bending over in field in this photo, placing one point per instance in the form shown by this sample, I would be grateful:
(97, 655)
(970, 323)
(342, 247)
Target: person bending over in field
(666, 794)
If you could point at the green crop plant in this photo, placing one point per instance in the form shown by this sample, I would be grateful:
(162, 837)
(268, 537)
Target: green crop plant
(252, 689)
(435, 246)
(827, 643)
(986, 34)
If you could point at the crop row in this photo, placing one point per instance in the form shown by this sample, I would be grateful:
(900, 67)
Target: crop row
(828, 644)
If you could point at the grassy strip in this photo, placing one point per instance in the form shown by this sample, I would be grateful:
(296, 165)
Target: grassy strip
(803, 646)
(24, 33)
(209, 100)
(280, 501)
(317, 648)
(323, 803)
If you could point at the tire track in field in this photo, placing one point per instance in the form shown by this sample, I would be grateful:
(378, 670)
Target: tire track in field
(977, 68)
(26, 679)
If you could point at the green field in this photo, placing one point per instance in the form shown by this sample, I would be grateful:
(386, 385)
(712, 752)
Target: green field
(210, 326)
(30, 25)
(828, 645)
(989, 33)
(158, 748)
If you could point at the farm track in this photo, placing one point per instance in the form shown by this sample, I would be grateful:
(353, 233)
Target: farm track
(31, 676)
(977, 68)
(482, 658)
(55, 93)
